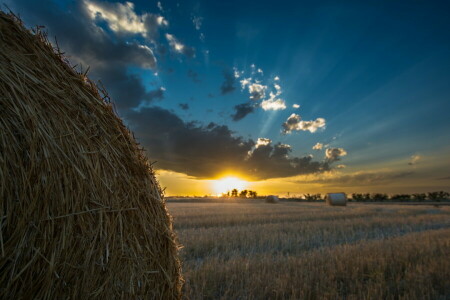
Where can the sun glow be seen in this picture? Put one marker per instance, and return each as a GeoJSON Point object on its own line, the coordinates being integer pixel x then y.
{"type": "Point", "coordinates": [224, 185]}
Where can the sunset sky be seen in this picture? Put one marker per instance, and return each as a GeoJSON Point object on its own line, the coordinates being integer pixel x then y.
{"type": "Point", "coordinates": [288, 96]}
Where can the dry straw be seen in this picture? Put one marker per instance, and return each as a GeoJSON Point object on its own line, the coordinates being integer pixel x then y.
{"type": "Point", "coordinates": [82, 215]}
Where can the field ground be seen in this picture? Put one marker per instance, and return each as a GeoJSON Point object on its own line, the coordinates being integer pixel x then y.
{"type": "Point", "coordinates": [255, 250]}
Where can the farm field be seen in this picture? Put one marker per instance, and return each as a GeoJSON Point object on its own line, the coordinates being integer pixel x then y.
{"type": "Point", "coordinates": [254, 250]}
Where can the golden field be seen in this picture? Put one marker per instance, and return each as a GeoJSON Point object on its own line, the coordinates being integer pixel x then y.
{"type": "Point", "coordinates": [298, 250]}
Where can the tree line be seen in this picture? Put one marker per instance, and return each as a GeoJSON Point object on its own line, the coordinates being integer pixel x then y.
{"type": "Point", "coordinates": [367, 197]}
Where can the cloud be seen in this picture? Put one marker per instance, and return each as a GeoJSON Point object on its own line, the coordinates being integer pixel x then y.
{"type": "Point", "coordinates": [193, 75]}
{"type": "Point", "coordinates": [262, 142]}
{"type": "Point", "coordinates": [184, 106]}
{"type": "Point", "coordinates": [257, 91]}
{"type": "Point", "coordinates": [228, 84]}
{"type": "Point", "coordinates": [414, 159]}
{"type": "Point", "coordinates": [208, 151]}
{"type": "Point", "coordinates": [296, 106]}
{"type": "Point", "coordinates": [122, 19]}
{"type": "Point", "coordinates": [197, 22]}
{"type": "Point", "coordinates": [341, 166]}
{"type": "Point", "coordinates": [294, 123]}
{"type": "Point", "coordinates": [178, 47]}
{"type": "Point", "coordinates": [333, 178]}
{"type": "Point", "coordinates": [242, 110]}
{"type": "Point", "coordinates": [87, 44]}
{"type": "Point", "coordinates": [334, 154]}
{"type": "Point", "coordinates": [318, 146]}
{"type": "Point", "coordinates": [273, 104]}
{"type": "Point", "coordinates": [276, 78]}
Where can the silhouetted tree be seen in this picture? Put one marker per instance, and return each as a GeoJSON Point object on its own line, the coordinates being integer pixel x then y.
{"type": "Point", "coordinates": [419, 197]}
{"type": "Point", "coordinates": [252, 194]}
{"type": "Point", "coordinates": [234, 193]}
{"type": "Point", "coordinates": [358, 197]}
{"type": "Point", "coordinates": [243, 194]}
{"type": "Point", "coordinates": [379, 197]}
{"type": "Point", "coordinates": [438, 196]}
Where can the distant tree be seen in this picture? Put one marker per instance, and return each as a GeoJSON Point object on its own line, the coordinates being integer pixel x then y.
{"type": "Point", "coordinates": [419, 197]}
{"type": "Point", "coordinates": [366, 197]}
{"type": "Point", "coordinates": [312, 197]}
{"type": "Point", "coordinates": [243, 194]}
{"type": "Point", "coordinates": [252, 194]}
{"type": "Point", "coordinates": [379, 197]}
{"type": "Point", "coordinates": [438, 196]}
{"type": "Point", "coordinates": [234, 193]}
{"type": "Point", "coordinates": [401, 197]}
{"type": "Point", "coordinates": [358, 197]}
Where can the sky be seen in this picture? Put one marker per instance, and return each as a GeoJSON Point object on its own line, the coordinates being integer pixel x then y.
{"type": "Point", "coordinates": [291, 97]}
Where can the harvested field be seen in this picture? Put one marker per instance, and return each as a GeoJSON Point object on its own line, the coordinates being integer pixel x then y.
{"type": "Point", "coordinates": [255, 250]}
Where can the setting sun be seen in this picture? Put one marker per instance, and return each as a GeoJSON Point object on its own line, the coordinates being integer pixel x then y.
{"type": "Point", "coordinates": [223, 185]}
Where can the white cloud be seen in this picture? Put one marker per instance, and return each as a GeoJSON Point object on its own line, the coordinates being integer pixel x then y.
{"type": "Point", "coordinates": [262, 142]}
{"type": "Point", "coordinates": [341, 166]}
{"type": "Point", "coordinates": [260, 71]}
{"type": "Point", "coordinates": [275, 104]}
{"type": "Point", "coordinates": [295, 106]}
{"type": "Point", "coordinates": [160, 6]}
{"type": "Point", "coordinates": [318, 146]}
{"type": "Point", "coordinates": [244, 82]}
{"type": "Point", "coordinates": [294, 123]}
{"type": "Point", "coordinates": [312, 126]}
{"type": "Point", "coordinates": [276, 78]}
{"type": "Point", "coordinates": [257, 91]}
{"type": "Point", "coordinates": [178, 47]}
{"type": "Point", "coordinates": [174, 43]}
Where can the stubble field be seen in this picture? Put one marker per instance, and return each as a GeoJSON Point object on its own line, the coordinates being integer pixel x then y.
{"type": "Point", "coordinates": [254, 250]}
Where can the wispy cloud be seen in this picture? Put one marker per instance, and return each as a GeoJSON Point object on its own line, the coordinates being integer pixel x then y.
{"type": "Point", "coordinates": [178, 47]}
{"type": "Point", "coordinates": [414, 159]}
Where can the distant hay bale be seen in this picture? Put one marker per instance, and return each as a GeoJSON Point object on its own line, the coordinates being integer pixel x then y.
{"type": "Point", "coordinates": [82, 215]}
{"type": "Point", "coordinates": [272, 199]}
{"type": "Point", "coordinates": [336, 199]}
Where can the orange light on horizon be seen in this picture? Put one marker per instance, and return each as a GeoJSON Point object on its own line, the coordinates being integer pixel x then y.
{"type": "Point", "coordinates": [226, 184]}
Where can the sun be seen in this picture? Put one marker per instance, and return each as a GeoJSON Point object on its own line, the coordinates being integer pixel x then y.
{"type": "Point", "coordinates": [223, 185]}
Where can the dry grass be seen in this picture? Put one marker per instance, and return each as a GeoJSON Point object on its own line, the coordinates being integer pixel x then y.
{"type": "Point", "coordinates": [81, 213]}
{"type": "Point", "coordinates": [313, 251]}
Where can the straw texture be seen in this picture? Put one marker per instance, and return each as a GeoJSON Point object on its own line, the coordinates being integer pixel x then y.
{"type": "Point", "coordinates": [82, 215]}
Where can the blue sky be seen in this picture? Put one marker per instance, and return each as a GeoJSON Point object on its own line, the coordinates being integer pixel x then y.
{"type": "Point", "coordinates": [208, 85]}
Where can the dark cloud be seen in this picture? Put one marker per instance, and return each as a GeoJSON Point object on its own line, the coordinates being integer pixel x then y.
{"type": "Point", "coordinates": [207, 151]}
{"type": "Point", "coordinates": [242, 110]}
{"type": "Point", "coordinates": [334, 154]}
{"type": "Point", "coordinates": [87, 44]}
{"type": "Point", "coordinates": [193, 75]}
{"type": "Point", "coordinates": [228, 85]}
{"type": "Point", "coordinates": [184, 106]}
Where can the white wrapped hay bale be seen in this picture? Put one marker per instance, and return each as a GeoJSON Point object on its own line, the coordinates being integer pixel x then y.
{"type": "Point", "coordinates": [336, 199]}
{"type": "Point", "coordinates": [272, 199]}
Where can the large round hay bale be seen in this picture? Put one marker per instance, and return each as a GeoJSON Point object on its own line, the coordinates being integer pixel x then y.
{"type": "Point", "coordinates": [272, 199]}
{"type": "Point", "coordinates": [82, 215]}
